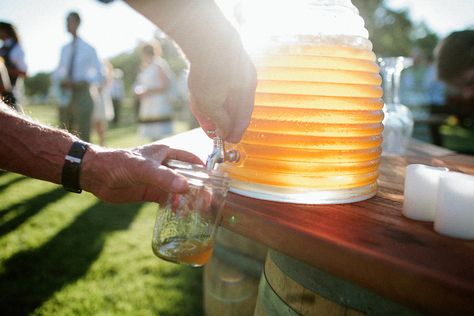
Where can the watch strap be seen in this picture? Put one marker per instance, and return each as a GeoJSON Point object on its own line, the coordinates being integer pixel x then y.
{"type": "Point", "coordinates": [72, 167]}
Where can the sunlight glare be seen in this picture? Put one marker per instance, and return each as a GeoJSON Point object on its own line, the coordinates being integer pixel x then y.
{"type": "Point", "coordinates": [264, 19]}
{"type": "Point", "coordinates": [267, 19]}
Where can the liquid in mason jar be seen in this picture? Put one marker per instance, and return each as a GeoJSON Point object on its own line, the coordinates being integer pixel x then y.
{"type": "Point", "coordinates": [194, 252]}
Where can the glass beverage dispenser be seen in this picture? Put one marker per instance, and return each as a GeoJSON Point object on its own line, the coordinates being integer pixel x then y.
{"type": "Point", "coordinates": [316, 131]}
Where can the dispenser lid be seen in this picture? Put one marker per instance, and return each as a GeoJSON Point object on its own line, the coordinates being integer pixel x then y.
{"type": "Point", "coordinates": [264, 19]}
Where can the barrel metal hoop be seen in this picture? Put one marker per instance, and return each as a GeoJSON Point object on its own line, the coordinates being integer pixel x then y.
{"type": "Point", "coordinates": [336, 289]}
{"type": "Point", "coordinates": [272, 301]}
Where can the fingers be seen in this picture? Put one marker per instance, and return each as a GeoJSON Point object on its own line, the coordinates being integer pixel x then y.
{"type": "Point", "coordinates": [156, 174]}
{"type": "Point", "coordinates": [162, 153]}
{"type": "Point", "coordinates": [218, 122]}
{"type": "Point", "coordinates": [183, 155]}
{"type": "Point", "coordinates": [243, 100]}
{"type": "Point", "coordinates": [240, 108]}
{"type": "Point", "coordinates": [230, 115]}
{"type": "Point", "coordinates": [137, 193]}
{"type": "Point", "coordinates": [120, 176]}
{"type": "Point", "coordinates": [165, 179]}
{"type": "Point", "coordinates": [203, 119]}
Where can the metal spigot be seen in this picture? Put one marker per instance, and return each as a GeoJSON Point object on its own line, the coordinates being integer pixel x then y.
{"type": "Point", "coordinates": [219, 155]}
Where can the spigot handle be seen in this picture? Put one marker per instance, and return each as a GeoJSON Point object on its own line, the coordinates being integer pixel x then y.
{"type": "Point", "coordinates": [232, 155]}
{"type": "Point", "coordinates": [219, 155]}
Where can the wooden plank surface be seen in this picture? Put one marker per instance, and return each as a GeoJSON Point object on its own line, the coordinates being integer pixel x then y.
{"type": "Point", "coordinates": [369, 243]}
{"type": "Point", "coordinates": [419, 148]}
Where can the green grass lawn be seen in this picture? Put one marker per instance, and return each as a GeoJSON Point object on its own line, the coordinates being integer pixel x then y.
{"type": "Point", "coordinates": [71, 254]}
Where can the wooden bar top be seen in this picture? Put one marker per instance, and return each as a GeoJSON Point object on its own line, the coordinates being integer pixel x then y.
{"type": "Point", "coordinates": [368, 243]}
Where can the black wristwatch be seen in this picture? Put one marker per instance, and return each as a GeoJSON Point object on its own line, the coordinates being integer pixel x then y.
{"type": "Point", "coordinates": [72, 167]}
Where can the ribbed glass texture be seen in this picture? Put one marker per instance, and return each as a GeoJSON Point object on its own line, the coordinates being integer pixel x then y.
{"type": "Point", "coordinates": [315, 132]}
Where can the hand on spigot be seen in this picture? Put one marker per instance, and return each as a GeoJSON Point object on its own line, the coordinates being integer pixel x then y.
{"type": "Point", "coordinates": [222, 79]}
{"type": "Point", "coordinates": [219, 154]}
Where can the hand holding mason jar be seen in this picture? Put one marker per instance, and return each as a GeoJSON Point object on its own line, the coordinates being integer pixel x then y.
{"type": "Point", "coordinates": [186, 224]}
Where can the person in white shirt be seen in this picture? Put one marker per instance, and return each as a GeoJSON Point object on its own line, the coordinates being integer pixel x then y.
{"type": "Point", "coordinates": [117, 91]}
{"type": "Point", "coordinates": [79, 68]}
{"type": "Point", "coordinates": [12, 64]}
{"type": "Point", "coordinates": [156, 113]}
{"type": "Point", "coordinates": [103, 108]}
{"type": "Point", "coordinates": [222, 77]}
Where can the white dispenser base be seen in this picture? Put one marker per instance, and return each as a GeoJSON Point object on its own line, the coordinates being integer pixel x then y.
{"type": "Point", "coordinates": [302, 195]}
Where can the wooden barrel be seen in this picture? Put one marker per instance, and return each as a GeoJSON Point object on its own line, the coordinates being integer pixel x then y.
{"type": "Point", "coordinates": [291, 287]}
{"type": "Point", "coordinates": [231, 277]}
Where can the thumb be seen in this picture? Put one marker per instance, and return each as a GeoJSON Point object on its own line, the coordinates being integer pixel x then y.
{"type": "Point", "coordinates": [217, 120]}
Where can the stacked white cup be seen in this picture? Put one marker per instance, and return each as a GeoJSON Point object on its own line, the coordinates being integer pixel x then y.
{"type": "Point", "coordinates": [439, 195]}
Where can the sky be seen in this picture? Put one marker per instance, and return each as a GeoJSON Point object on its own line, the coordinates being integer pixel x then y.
{"type": "Point", "coordinates": [441, 16]}
{"type": "Point", "coordinates": [116, 28]}
{"type": "Point", "coordinates": [111, 28]}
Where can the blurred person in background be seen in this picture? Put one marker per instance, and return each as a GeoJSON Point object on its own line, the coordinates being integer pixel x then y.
{"type": "Point", "coordinates": [78, 69]}
{"type": "Point", "coordinates": [414, 92]}
{"type": "Point", "coordinates": [117, 92]}
{"type": "Point", "coordinates": [455, 61]}
{"type": "Point", "coordinates": [155, 115]}
{"type": "Point", "coordinates": [12, 65]}
{"type": "Point", "coordinates": [222, 78]}
{"type": "Point", "coordinates": [421, 91]}
{"type": "Point", "coordinates": [420, 85]}
{"type": "Point", "coordinates": [455, 65]}
{"type": "Point", "coordinates": [103, 108]}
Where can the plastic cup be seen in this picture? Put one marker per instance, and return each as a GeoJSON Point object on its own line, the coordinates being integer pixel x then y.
{"type": "Point", "coordinates": [455, 206]}
{"type": "Point", "coordinates": [421, 188]}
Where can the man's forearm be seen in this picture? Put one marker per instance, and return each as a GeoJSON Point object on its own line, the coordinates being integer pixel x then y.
{"type": "Point", "coordinates": [193, 24]}
{"type": "Point", "coordinates": [31, 149]}
{"type": "Point", "coordinates": [222, 77]}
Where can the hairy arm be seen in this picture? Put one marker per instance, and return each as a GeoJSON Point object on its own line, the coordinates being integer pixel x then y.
{"type": "Point", "coordinates": [31, 149]}
{"type": "Point", "coordinates": [113, 175]}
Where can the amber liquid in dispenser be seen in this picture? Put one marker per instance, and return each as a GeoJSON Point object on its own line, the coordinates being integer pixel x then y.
{"type": "Point", "coordinates": [316, 125]}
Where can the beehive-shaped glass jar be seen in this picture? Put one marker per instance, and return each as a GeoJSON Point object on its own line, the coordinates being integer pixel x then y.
{"type": "Point", "coordinates": [315, 133]}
